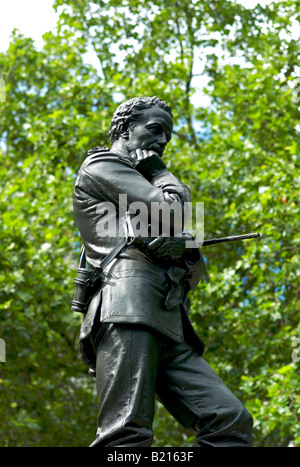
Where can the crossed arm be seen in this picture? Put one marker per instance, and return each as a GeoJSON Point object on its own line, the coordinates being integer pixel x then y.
{"type": "Point", "coordinates": [143, 179]}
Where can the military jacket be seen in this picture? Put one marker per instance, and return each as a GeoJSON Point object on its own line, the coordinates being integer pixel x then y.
{"type": "Point", "coordinates": [134, 287]}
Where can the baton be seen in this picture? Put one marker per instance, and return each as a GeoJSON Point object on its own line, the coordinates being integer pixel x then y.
{"type": "Point", "coordinates": [234, 238]}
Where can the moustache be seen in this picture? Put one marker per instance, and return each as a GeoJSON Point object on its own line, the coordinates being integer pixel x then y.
{"type": "Point", "coordinates": [157, 148]}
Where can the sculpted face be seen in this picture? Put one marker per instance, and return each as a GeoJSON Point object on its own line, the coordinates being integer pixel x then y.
{"type": "Point", "coordinates": [152, 132]}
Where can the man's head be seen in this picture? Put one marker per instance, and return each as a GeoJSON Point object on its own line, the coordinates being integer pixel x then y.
{"type": "Point", "coordinates": [144, 122]}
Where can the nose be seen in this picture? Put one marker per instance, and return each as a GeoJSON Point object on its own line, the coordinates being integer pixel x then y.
{"type": "Point", "coordinates": [162, 140]}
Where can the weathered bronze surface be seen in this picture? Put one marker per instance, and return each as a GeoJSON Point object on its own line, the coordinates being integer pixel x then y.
{"type": "Point", "coordinates": [136, 335]}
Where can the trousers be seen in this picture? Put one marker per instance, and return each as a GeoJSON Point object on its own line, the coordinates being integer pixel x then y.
{"type": "Point", "coordinates": [135, 365]}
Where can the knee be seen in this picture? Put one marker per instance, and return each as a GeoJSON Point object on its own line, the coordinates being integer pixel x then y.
{"type": "Point", "coordinates": [247, 417]}
{"type": "Point", "coordinates": [246, 421]}
{"type": "Point", "coordinates": [230, 425]}
{"type": "Point", "coordinates": [240, 424]}
{"type": "Point", "coordinates": [243, 416]}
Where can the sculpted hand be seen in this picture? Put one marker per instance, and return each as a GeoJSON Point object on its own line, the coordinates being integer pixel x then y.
{"type": "Point", "coordinates": [176, 251]}
{"type": "Point", "coordinates": [141, 154]}
{"type": "Point", "coordinates": [168, 248]}
{"type": "Point", "coordinates": [148, 163]}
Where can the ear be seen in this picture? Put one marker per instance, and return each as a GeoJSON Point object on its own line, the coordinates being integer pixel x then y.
{"type": "Point", "coordinates": [124, 131]}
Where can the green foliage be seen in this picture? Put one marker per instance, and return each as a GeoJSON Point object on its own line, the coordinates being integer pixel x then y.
{"type": "Point", "coordinates": [240, 157]}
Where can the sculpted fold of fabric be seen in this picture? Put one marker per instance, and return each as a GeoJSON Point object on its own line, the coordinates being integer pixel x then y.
{"type": "Point", "coordinates": [135, 289]}
{"type": "Point", "coordinates": [136, 335]}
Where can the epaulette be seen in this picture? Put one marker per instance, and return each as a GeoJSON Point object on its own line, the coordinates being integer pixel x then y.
{"type": "Point", "coordinates": [97, 149]}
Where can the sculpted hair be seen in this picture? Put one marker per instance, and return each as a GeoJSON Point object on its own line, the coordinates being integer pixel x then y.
{"type": "Point", "coordinates": [129, 112]}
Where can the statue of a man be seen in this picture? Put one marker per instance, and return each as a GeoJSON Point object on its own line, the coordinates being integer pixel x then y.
{"type": "Point", "coordinates": [136, 334]}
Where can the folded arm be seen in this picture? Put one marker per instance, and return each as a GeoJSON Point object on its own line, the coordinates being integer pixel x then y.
{"type": "Point", "coordinates": [116, 179]}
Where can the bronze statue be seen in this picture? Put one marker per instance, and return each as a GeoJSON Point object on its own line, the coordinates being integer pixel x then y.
{"type": "Point", "coordinates": [136, 335]}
